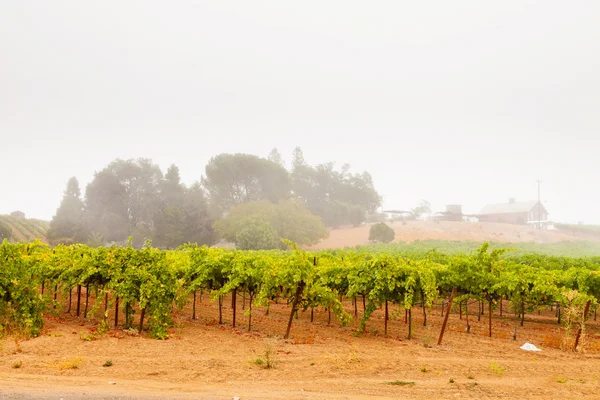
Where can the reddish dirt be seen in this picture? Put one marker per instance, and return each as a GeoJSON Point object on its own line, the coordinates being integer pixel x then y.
{"type": "Point", "coordinates": [448, 230]}
{"type": "Point", "coordinates": [205, 360]}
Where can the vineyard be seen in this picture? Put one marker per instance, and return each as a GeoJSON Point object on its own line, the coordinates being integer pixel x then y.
{"type": "Point", "coordinates": [25, 229]}
{"type": "Point", "coordinates": [143, 288]}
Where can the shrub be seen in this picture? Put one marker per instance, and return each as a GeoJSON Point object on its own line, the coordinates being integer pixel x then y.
{"type": "Point", "coordinates": [256, 234]}
{"type": "Point", "coordinates": [381, 232]}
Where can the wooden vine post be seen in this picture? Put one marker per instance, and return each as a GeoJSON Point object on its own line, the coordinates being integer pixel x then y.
{"type": "Point", "coordinates": [78, 299]}
{"type": "Point", "coordinates": [297, 298]}
{"type": "Point", "coordinates": [386, 318]}
{"type": "Point", "coordinates": [490, 312]}
{"type": "Point", "coordinates": [446, 316]}
{"type": "Point", "coordinates": [194, 306]}
{"type": "Point", "coordinates": [234, 304]}
{"type": "Point", "coordinates": [585, 315]}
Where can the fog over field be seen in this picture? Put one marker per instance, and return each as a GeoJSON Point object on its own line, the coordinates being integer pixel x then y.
{"type": "Point", "coordinates": [455, 102]}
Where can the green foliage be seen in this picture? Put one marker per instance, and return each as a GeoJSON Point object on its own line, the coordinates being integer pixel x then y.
{"type": "Point", "coordinates": [289, 219]}
{"type": "Point", "coordinates": [381, 232]}
{"type": "Point", "coordinates": [153, 280]}
{"type": "Point", "coordinates": [256, 233]}
{"type": "Point", "coordinates": [5, 231]}
{"type": "Point", "coordinates": [21, 306]}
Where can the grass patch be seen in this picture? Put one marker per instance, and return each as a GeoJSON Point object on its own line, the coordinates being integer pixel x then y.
{"type": "Point", "coordinates": [424, 369]}
{"type": "Point", "coordinates": [561, 379]}
{"type": "Point", "coordinates": [17, 364]}
{"type": "Point", "coordinates": [72, 363]}
{"type": "Point", "coordinates": [451, 380]}
{"type": "Point", "coordinates": [107, 364]}
{"type": "Point", "coordinates": [401, 383]}
{"type": "Point", "coordinates": [496, 368]}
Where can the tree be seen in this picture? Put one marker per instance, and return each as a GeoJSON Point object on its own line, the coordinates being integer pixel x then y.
{"type": "Point", "coordinates": [5, 232]}
{"type": "Point", "coordinates": [356, 215]}
{"type": "Point", "coordinates": [275, 156]}
{"type": "Point", "coordinates": [68, 225]}
{"type": "Point", "coordinates": [197, 227]}
{"type": "Point", "coordinates": [256, 233]}
{"type": "Point", "coordinates": [381, 232]}
{"type": "Point", "coordinates": [338, 197]}
{"type": "Point", "coordinates": [106, 206]}
{"type": "Point", "coordinates": [240, 178]}
{"type": "Point", "coordinates": [423, 208]}
{"type": "Point", "coordinates": [169, 221]}
{"type": "Point", "coordinates": [290, 220]}
{"type": "Point", "coordinates": [123, 199]}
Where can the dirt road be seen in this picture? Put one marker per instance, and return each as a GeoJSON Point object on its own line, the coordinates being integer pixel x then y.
{"type": "Point", "coordinates": [203, 360]}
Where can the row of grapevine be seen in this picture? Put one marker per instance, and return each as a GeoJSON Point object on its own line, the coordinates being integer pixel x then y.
{"type": "Point", "coordinates": [154, 282]}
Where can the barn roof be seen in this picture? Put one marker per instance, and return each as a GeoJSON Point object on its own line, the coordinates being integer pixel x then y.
{"type": "Point", "coordinates": [509, 208]}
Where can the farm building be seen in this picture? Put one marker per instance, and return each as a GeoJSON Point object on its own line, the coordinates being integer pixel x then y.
{"type": "Point", "coordinates": [18, 214]}
{"type": "Point", "coordinates": [453, 213]}
{"type": "Point", "coordinates": [514, 212]}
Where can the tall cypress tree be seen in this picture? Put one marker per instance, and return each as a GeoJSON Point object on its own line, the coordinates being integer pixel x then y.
{"type": "Point", "coordinates": [68, 223]}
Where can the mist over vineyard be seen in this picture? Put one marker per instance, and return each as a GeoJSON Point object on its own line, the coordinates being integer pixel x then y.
{"type": "Point", "coordinates": [311, 200]}
{"type": "Point", "coordinates": [239, 194]}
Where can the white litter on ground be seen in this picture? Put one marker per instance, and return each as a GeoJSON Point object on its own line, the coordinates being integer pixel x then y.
{"type": "Point", "coordinates": [529, 347]}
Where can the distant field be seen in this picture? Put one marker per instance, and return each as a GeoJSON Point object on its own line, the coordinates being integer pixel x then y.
{"type": "Point", "coordinates": [452, 237]}
{"type": "Point", "coordinates": [24, 229]}
{"type": "Point", "coordinates": [586, 229]}
{"type": "Point", "coordinates": [565, 249]}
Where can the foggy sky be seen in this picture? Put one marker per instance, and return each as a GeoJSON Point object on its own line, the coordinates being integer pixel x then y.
{"type": "Point", "coordinates": [464, 102]}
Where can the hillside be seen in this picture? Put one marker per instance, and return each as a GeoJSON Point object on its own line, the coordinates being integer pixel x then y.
{"type": "Point", "coordinates": [26, 229]}
{"type": "Point", "coordinates": [456, 231]}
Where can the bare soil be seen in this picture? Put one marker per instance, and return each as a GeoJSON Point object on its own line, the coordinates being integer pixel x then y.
{"type": "Point", "coordinates": [411, 231]}
{"type": "Point", "coordinates": [205, 360]}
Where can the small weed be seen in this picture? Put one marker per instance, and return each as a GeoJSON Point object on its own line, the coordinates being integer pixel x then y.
{"type": "Point", "coordinates": [471, 385]}
{"type": "Point", "coordinates": [497, 368]}
{"type": "Point", "coordinates": [18, 346]}
{"type": "Point", "coordinates": [87, 338]}
{"type": "Point", "coordinates": [561, 379]}
{"type": "Point", "coordinates": [312, 363]}
{"type": "Point", "coordinates": [107, 364]}
{"type": "Point", "coordinates": [72, 363]}
{"type": "Point", "coordinates": [424, 369]}
{"type": "Point", "coordinates": [581, 380]}
{"type": "Point", "coordinates": [353, 357]}
{"type": "Point", "coordinates": [451, 380]}
{"type": "Point", "coordinates": [267, 360]}
{"type": "Point", "coordinates": [17, 364]}
{"type": "Point", "coordinates": [427, 341]}
{"type": "Point", "coordinates": [132, 332]}
{"type": "Point", "coordinates": [401, 383]}
{"type": "Point", "coordinates": [470, 376]}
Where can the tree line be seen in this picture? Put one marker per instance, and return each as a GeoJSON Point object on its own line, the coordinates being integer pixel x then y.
{"type": "Point", "coordinates": [242, 198]}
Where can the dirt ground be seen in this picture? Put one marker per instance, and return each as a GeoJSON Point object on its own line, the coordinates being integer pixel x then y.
{"type": "Point", "coordinates": [450, 230]}
{"type": "Point", "coordinates": [203, 360]}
